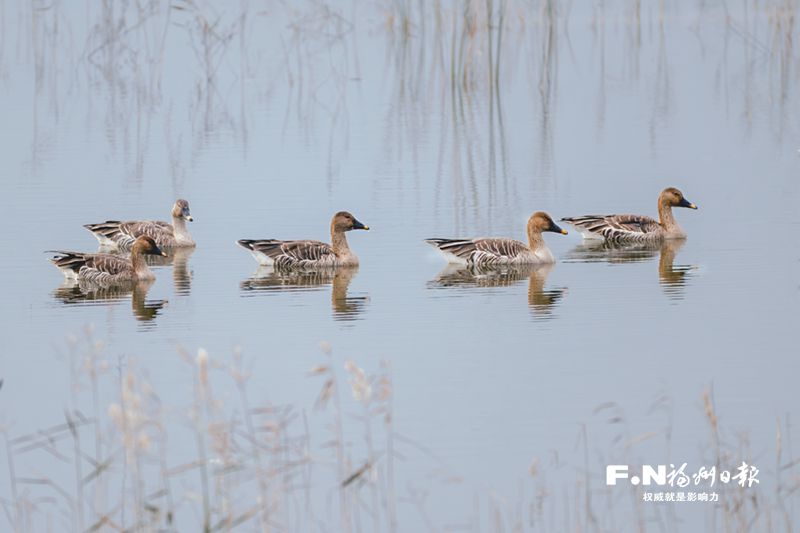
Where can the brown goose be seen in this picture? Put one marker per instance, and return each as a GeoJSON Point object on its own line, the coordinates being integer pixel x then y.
{"type": "Point", "coordinates": [122, 235]}
{"type": "Point", "coordinates": [308, 254]}
{"type": "Point", "coordinates": [636, 228]}
{"type": "Point", "coordinates": [487, 252]}
{"type": "Point", "coordinates": [107, 269]}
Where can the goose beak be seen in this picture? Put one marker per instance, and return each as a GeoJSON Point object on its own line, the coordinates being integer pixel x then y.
{"type": "Point", "coordinates": [687, 203]}
{"type": "Point", "coordinates": [359, 225]}
{"type": "Point", "coordinates": [557, 229]}
{"type": "Point", "coordinates": [189, 218]}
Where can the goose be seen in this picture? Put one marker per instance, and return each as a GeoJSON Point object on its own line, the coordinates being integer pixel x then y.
{"type": "Point", "coordinates": [636, 228]}
{"type": "Point", "coordinates": [305, 254]}
{"type": "Point", "coordinates": [490, 251]}
{"type": "Point", "coordinates": [122, 235]}
{"type": "Point", "coordinates": [108, 269]}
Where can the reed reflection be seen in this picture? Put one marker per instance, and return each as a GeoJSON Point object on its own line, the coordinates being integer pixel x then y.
{"type": "Point", "coordinates": [449, 78]}
{"type": "Point", "coordinates": [343, 305]}
{"type": "Point", "coordinates": [444, 58]}
{"type": "Point", "coordinates": [673, 278]}
{"type": "Point", "coordinates": [85, 293]}
{"type": "Point", "coordinates": [541, 301]}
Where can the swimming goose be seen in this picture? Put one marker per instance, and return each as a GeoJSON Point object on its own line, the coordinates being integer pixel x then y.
{"type": "Point", "coordinates": [116, 234]}
{"type": "Point", "coordinates": [635, 228]}
{"type": "Point", "coordinates": [293, 254]}
{"type": "Point", "coordinates": [108, 269]}
{"type": "Point", "coordinates": [487, 252]}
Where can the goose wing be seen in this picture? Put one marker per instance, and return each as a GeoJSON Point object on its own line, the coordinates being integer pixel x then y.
{"type": "Point", "coordinates": [479, 251]}
{"type": "Point", "coordinates": [124, 234]}
{"type": "Point", "coordinates": [615, 227]}
{"type": "Point", "coordinates": [292, 253]}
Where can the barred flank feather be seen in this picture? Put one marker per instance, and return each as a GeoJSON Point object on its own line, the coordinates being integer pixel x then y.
{"type": "Point", "coordinates": [618, 228]}
{"type": "Point", "coordinates": [289, 254]}
{"type": "Point", "coordinates": [484, 252]}
{"type": "Point", "coordinates": [94, 268]}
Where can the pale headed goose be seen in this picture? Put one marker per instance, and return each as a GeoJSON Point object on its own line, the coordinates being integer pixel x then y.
{"type": "Point", "coordinates": [293, 254]}
{"type": "Point", "coordinates": [636, 228]}
{"type": "Point", "coordinates": [487, 252]}
{"type": "Point", "coordinates": [108, 269]}
{"type": "Point", "coordinates": [117, 234]}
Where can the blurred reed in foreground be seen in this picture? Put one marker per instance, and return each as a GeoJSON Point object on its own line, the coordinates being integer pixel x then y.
{"type": "Point", "coordinates": [223, 462]}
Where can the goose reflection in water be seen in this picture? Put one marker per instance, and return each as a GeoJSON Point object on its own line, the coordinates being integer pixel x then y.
{"type": "Point", "coordinates": [343, 306]}
{"type": "Point", "coordinates": [540, 300]}
{"type": "Point", "coordinates": [673, 278]}
{"type": "Point", "coordinates": [179, 259]}
{"type": "Point", "coordinates": [85, 293]}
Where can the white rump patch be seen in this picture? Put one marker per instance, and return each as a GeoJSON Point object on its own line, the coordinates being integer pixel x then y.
{"type": "Point", "coordinates": [69, 274]}
{"type": "Point", "coordinates": [587, 235]}
{"type": "Point", "coordinates": [453, 259]}
{"type": "Point", "coordinates": [262, 258]}
{"type": "Point", "coordinates": [105, 241]}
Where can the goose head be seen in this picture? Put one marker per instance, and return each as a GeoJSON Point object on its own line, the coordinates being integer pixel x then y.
{"type": "Point", "coordinates": [541, 221]}
{"type": "Point", "coordinates": [147, 246]}
{"type": "Point", "coordinates": [181, 210]}
{"type": "Point", "coordinates": [674, 198]}
{"type": "Point", "coordinates": [344, 221]}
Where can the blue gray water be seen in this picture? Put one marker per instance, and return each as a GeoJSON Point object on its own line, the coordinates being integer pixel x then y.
{"type": "Point", "coordinates": [282, 116]}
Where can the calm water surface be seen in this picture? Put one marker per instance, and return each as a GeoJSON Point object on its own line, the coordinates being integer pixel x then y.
{"type": "Point", "coordinates": [286, 115]}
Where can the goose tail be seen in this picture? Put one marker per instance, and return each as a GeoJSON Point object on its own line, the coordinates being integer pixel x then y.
{"type": "Point", "coordinates": [69, 263]}
{"type": "Point", "coordinates": [449, 247]}
{"type": "Point", "coordinates": [259, 248]}
{"type": "Point", "coordinates": [106, 232]}
{"type": "Point", "coordinates": [587, 225]}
